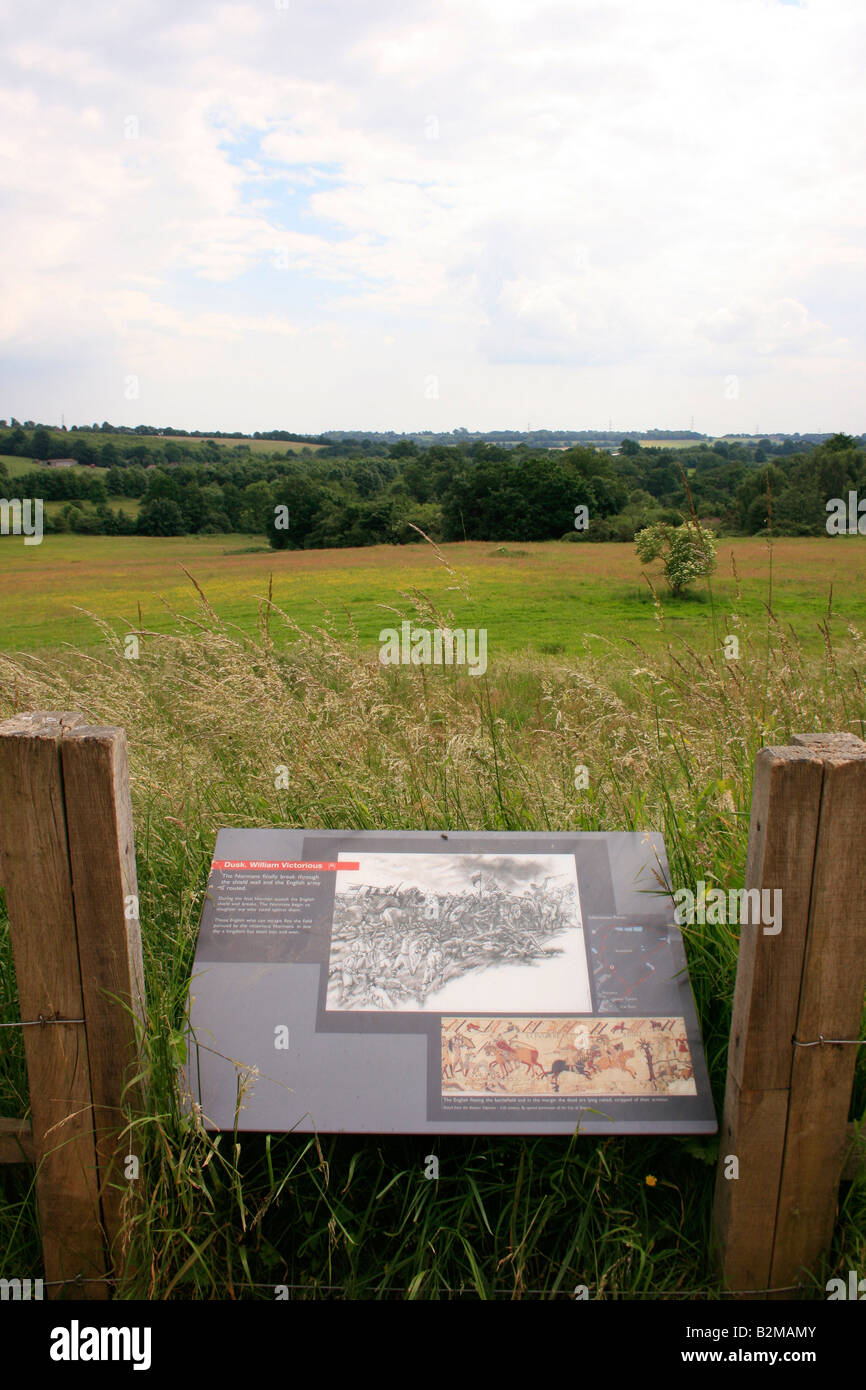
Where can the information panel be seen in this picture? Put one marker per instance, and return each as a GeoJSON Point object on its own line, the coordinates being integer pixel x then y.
{"type": "Point", "coordinates": [431, 982]}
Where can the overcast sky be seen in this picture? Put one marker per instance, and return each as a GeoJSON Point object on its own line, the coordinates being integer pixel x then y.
{"type": "Point", "coordinates": [387, 214]}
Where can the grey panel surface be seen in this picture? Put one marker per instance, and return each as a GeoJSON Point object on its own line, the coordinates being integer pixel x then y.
{"type": "Point", "coordinates": [262, 979]}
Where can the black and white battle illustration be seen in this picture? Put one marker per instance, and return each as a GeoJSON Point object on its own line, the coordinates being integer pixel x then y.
{"type": "Point", "coordinates": [434, 932]}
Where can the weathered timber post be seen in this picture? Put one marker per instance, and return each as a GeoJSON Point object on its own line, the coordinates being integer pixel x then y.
{"type": "Point", "coordinates": [788, 1093]}
{"type": "Point", "coordinates": [67, 863]}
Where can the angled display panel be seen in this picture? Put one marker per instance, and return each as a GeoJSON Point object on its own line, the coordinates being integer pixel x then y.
{"type": "Point", "coordinates": [432, 982]}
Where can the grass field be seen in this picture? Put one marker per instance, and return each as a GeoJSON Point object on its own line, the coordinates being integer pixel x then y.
{"type": "Point", "coordinates": [17, 467]}
{"type": "Point", "coordinates": [672, 443]}
{"type": "Point", "coordinates": [64, 442]}
{"type": "Point", "coordinates": [256, 446]}
{"type": "Point", "coordinates": [212, 709]}
{"type": "Point", "coordinates": [551, 597]}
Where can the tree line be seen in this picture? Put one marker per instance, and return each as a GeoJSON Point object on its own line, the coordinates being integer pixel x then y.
{"type": "Point", "coordinates": [345, 496]}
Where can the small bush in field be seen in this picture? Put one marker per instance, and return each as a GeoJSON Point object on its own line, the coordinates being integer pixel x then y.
{"type": "Point", "coordinates": [687, 552]}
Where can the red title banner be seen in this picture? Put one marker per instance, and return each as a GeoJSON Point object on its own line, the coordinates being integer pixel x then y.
{"type": "Point", "coordinates": [304, 865]}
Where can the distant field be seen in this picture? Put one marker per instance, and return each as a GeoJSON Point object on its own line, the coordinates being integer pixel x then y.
{"type": "Point", "coordinates": [130, 506]}
{"type": "Point", "coordinates": [256, 446]}
{"type": "Point", "coordinates": [551, 597]}
{"type": "Point", "coordinates": [17, 467]}
{"type": "Point", "coordinates": [748, 439]}
{"type": "Point", "coordinates": [672, 443]}
{"type": "Point", "coordinates": [751, 438]}
{"type": "Point", "coordinates": [126, 441]}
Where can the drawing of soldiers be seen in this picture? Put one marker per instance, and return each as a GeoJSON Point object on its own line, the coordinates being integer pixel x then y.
{"type": "Point", "coordinates": [432, 967]}
{"type": "Point", "coordinates": [404, 957]}
{"type": "Point", "coordinates": [348, 972]}
{"type": "Point", "coordinates": [377, 962]}
{"type": "Point", "coordinates": [417, 948]}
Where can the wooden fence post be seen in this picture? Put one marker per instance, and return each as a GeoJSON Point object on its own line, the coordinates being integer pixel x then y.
{"type": "Point", "coordinates": [786, 1105]}
{"type": "Point", "coordinates": [68, 867]}
{"type": "Point", "coordinates": [105, 890]}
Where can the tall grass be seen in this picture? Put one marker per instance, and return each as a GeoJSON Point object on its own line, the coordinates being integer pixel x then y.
{"type": "Point", "coordinates": [212, 714]}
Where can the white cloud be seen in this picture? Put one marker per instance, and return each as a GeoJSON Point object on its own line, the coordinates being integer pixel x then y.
{"type": "Point", "coordinates": [551, 207]}
{"type": "Point", "coordinates": [783, 326]}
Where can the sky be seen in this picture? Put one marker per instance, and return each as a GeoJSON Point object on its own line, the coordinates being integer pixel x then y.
{"type": "Point", "coordinates": [388, 214]}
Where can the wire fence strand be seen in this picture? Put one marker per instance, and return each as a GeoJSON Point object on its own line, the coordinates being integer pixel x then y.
{"type": "Point", "coordinates": [40, 1022]}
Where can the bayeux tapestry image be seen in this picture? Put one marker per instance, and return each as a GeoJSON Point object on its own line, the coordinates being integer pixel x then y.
{"type": "Point", "coordinates": [566, 1056]}
{"type": "Point", "coordinates": [441, 933]}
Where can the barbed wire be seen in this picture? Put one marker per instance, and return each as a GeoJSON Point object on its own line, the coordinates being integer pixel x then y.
{"type": "Point", "coordinates": [343, 1288]}
{"type": "Point", "coordinates": [820, 1041]}
{"type": "Point", "coordinates": [40, 1022]}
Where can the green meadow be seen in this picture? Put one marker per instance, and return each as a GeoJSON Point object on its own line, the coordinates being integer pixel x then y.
{"type": "Point", "coordinates": [16, 467]}
{"type": "Point", "coordinates": [585, 668]}
{"type": "Point", "coordinates": [554, 597]}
